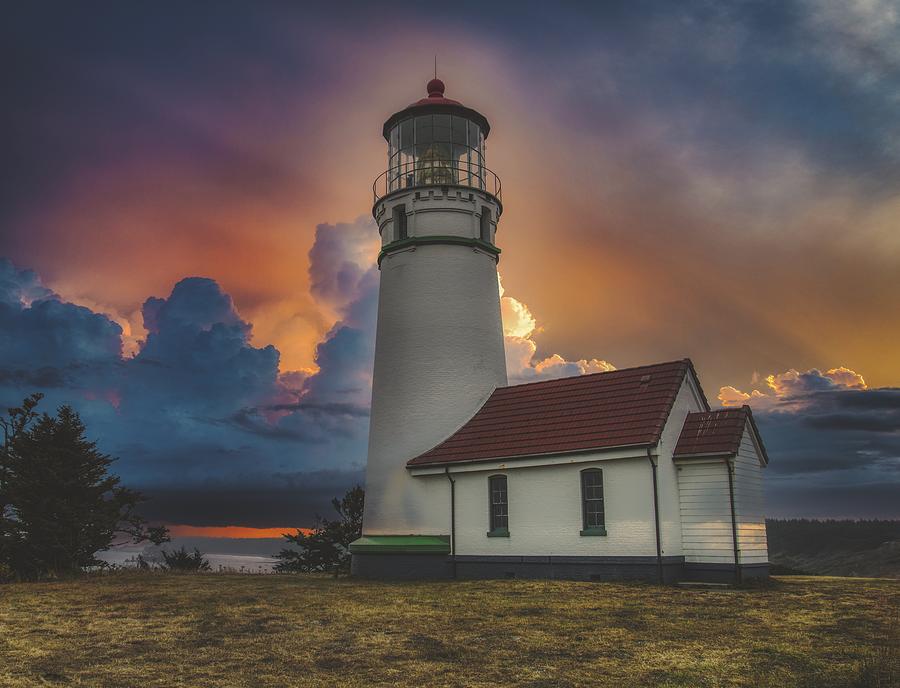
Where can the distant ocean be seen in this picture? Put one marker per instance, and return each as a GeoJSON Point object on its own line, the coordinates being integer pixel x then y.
{"type": "Point", "coordinates": [238, 554]}
{"type": "Point", "coordinates": [239, 563]}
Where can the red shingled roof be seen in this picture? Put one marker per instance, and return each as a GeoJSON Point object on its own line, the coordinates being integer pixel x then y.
{"type": "Point", "coordinates": [716, 433]}
{"type": "Point", "coordinates": [619, 408]}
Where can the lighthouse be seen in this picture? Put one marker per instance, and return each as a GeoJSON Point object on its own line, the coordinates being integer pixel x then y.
{"type": "Point", "coordinates": [439, 344]}
{"type": "Point", "coordinates": [627, 473]}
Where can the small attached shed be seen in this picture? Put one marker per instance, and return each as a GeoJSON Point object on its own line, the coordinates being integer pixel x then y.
{"type": "Point", "coordinates": [719, 457]}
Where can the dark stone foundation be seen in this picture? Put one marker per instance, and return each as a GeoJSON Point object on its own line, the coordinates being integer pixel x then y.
{"type": "Point", "coordinates": [723, 573]}
{"type": "Point", "coordinates": [390, 566]}
{"type": "Point", "coordinates": [570, 568]}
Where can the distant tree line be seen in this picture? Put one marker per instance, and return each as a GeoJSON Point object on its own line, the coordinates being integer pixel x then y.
{"type": "Point", "coordinates": [59, 504]}
{"type": "Point", "coordinates": [801, 536]}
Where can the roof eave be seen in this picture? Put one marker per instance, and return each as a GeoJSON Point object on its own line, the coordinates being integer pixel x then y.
{"type": "Point", "coordinates": [705, 455]}
{"type": "Point", "coordinates": [519, 457]}
{"type": "Point", "coordinates": [437, 109]}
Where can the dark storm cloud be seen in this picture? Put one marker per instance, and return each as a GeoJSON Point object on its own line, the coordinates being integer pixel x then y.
{"type": "Point", "coordinates": [198, 336]}
{"type": "Point", "coordinates": [250, 420]}
{"type": "Point", "coordinates": [833, 453]}
{"type": "Point", "coordinates": [40, 377]}
{"type": "Point", "coordinates": [887, 422]}
{"type": "Point", "coordinates": [323, 408]}
{"type": "Point", "coordinates": [886, 398]}
{"type": "Point", "coordinates": [20, 287]}
{"type": "Point", "coordinates": [809, 436]}
{"type": "Point", "coordinates": [200, 418]}
{"type": "Point", "coordinates": [840, 498]}
{"type": "Point", "coordinates": [288, 500]}
{"type": "Point", "coordinates": [47, 342]}
{"type": "Point", "coordinates": [817, 74]}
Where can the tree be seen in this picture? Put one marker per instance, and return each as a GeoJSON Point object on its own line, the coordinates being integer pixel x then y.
{"type": "Point", "coordinates": [182, 560]}
{"type": "Point", "coordinates": [328, 545]}
{"type": "Point", "coordinates": [59, 504]}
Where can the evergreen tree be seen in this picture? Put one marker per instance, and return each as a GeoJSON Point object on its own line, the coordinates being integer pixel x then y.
{"type": "Point", "coordinates": [328, 545]}
{"type": "Point", "coordinates": [182, 560]}
{"type": "Point", "coordinates": [59, 504]}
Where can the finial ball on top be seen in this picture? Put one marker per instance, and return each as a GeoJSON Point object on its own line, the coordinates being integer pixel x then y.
{"type": "Point", "coordinates": [435, 88]}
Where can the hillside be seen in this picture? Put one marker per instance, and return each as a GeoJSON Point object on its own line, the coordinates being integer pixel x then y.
{"type": "Point", "coordinates": [835, 548]}
{"type": "Point", "coordinates": [165, 630]}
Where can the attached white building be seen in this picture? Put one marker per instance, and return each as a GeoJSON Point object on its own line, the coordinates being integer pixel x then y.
{"type": "Point", "coordinates": [624, 474]}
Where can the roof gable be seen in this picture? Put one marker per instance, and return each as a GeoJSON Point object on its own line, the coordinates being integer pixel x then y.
{"type": "Point", "coordinates": [717, 433]}
{"type": "Point", "coordinates": [614, 409]}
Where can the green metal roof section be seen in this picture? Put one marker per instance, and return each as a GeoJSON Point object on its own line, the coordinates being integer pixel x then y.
{"type": "Point", "coordinates": [401, 544]}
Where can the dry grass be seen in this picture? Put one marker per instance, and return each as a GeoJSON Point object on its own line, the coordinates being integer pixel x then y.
{"type": "Point", "coordinates": [229, 630]}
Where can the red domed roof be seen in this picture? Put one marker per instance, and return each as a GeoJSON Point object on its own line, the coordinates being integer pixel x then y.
{"type": "Point", "coordinates": [437, 103]}
{"type": "Point", "coordinates": [435, 89]}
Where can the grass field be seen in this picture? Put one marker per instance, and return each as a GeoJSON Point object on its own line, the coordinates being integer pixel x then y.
{"type": "Point", "coordinates": [146, 630]}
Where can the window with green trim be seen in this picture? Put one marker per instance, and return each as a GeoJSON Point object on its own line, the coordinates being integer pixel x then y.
{"type": "Point", "coordinates": [499, 504]}
{"type": "Point", "coordinates": [593, 517]}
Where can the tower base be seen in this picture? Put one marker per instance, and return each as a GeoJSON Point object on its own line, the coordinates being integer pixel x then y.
{"type": "Point", "coordinates": [401, 557]}
{"type": "Point", "coordinates": [402, 566]}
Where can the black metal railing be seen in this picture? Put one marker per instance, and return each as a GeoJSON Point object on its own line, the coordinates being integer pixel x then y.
{"type": "Point", "coordinates": [436, 173]}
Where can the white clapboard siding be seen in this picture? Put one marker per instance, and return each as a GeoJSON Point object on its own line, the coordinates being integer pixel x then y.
{"type": "Point", "coordinates": [749, 502]}
{"type": "Point", "coordinates": [706, 534]}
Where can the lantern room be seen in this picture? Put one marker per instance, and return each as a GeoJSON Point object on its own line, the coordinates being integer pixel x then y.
{"type": "Point", "coordinates": [436, 141]}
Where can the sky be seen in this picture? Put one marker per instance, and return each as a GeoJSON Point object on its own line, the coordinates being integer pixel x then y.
{"type": "Point", "coordinates": [188, 250]}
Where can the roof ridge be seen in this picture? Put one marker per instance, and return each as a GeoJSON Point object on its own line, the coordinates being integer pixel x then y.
{"type": "Point", "coordinates": [683, 361]}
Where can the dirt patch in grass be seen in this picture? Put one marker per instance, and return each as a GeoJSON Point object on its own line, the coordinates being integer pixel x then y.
{"type": "Point", "coordinates": [149, 630]}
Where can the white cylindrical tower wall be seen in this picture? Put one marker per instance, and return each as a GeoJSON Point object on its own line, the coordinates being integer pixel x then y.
{"type": "Point", "coordinates": [439, 348]}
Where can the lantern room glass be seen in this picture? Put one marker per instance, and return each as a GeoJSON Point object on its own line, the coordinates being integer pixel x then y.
{"type": "Point", "coordinates": [430, 150]}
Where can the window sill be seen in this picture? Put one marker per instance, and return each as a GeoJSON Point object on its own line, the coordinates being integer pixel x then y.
{"type": "Point", "coordinates": [498, 532]}
{"type": "Point", "coordinates": [592, 531]}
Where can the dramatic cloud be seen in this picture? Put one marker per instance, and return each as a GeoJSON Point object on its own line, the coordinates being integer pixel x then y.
{"type": "Point", "coordinates": [519, 327]}
{"type": "Point", "coordinates": [44, 340]}
{"type": "Point", "coordinates": [793, 389]}
{"type": "Point", "coordinates": [20, 287]}
{"type": "Point", "coordinates": [344, 277]}
{"type": "Point", "coordinates": [197, 352]}
{"type": "Point", "coordinates": [199, 415]}
{"type": "Point", "coordinates": [716, 181]}
{"type": "Point", "coordinates": [834, 443]}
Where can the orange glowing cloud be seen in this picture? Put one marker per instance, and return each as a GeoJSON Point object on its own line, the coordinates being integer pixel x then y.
{"type": "Point", "coordinates": [519, 326]}
{"type": "Point", "coordinates": [790, 390]}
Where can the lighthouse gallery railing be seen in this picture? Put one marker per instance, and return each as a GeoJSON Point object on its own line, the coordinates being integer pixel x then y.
{"type": "Point", "coordinates": [438, 173]}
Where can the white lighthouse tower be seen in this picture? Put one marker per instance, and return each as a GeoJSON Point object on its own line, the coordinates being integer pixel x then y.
{"type": "Point", "coordinates": [439, 345]}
